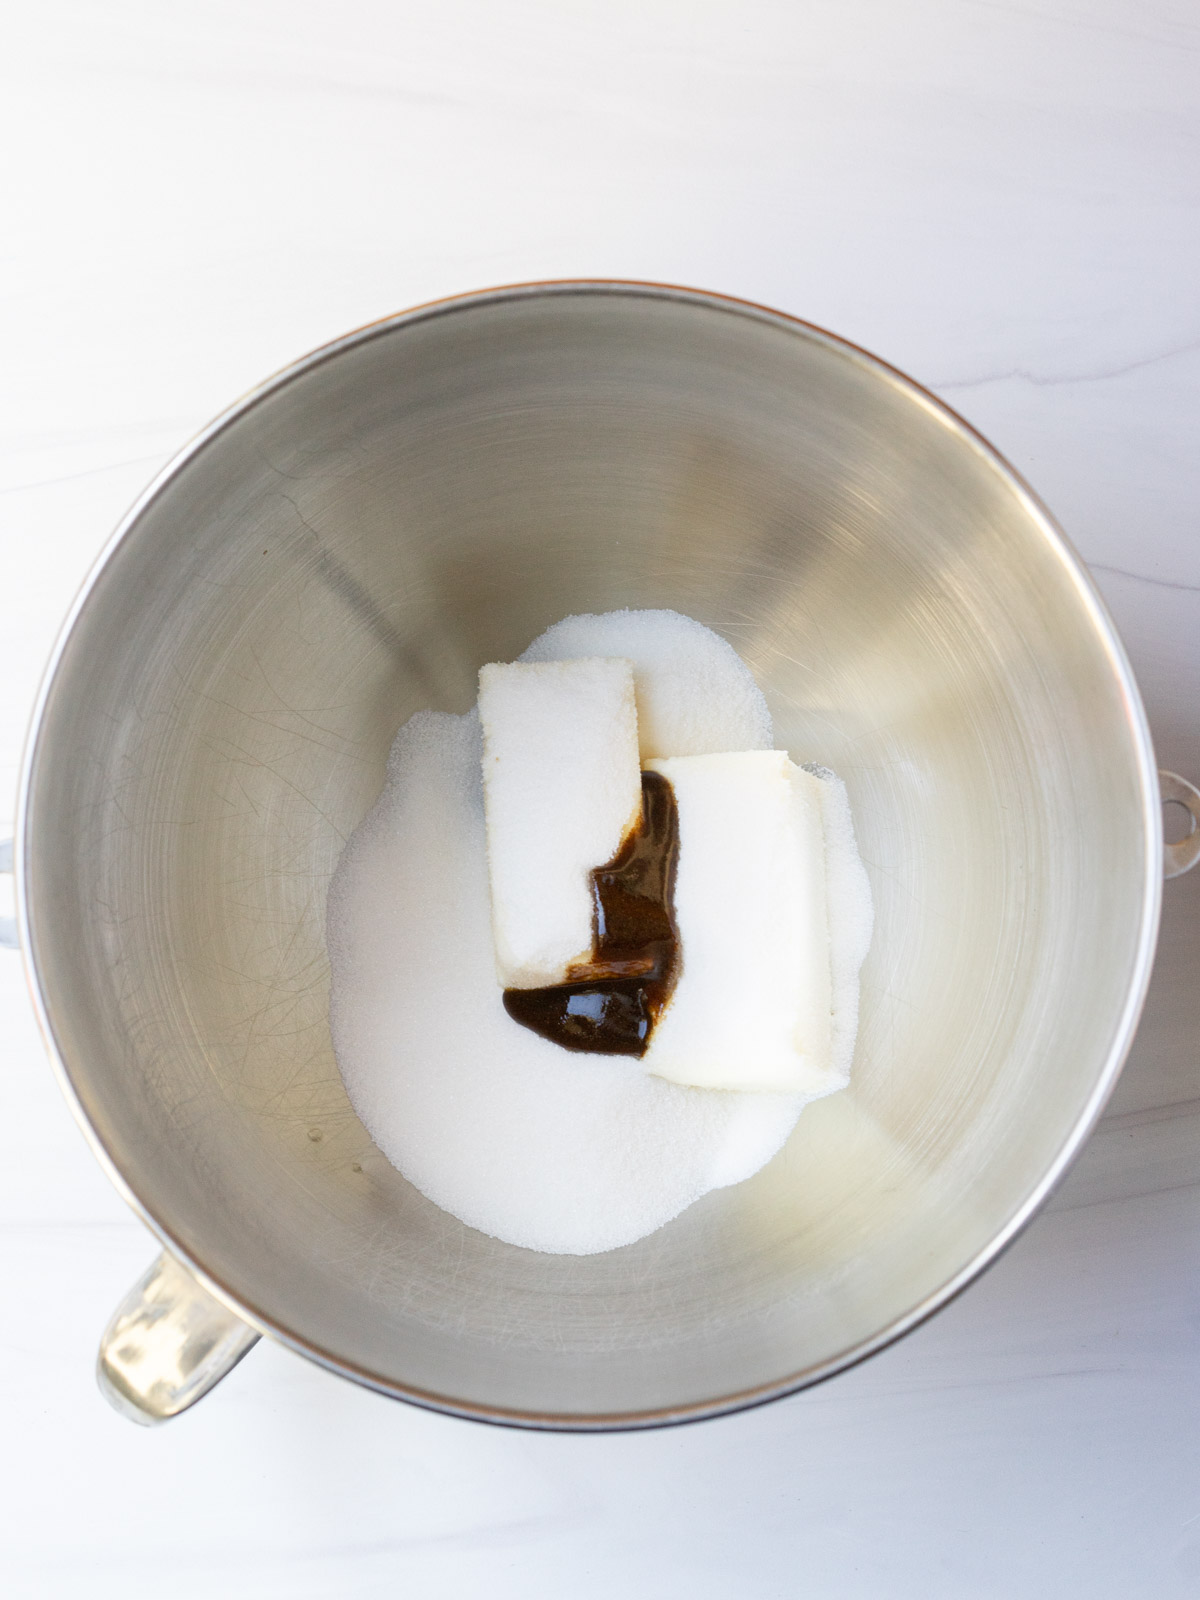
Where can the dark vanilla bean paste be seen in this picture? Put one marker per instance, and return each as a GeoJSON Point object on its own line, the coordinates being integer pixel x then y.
{"type": "Point", "coordinates": [610, 1003]}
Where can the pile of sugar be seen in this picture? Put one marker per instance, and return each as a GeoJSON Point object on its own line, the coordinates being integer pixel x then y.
{"type": "Point", "coordinates": [570, 1154]}
{"type": "Point", "coordinates": [695, 694]}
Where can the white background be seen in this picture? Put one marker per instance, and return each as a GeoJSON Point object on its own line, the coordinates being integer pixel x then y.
{"type": "Point", "coordinates": [1001, 198]}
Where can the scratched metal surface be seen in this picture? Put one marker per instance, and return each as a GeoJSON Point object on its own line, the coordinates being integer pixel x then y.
{"type": "Point", "coordinates": [348, 548]}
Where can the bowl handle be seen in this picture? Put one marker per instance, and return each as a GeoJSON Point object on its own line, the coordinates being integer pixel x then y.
{"type": "Point", "coordinates": [168, 1344]}
{"type": "Point", "coordinates": [1181, 857]}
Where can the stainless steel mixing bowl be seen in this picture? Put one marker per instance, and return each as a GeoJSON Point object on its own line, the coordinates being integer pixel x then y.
{"type": "Point", "coordinates": [346, 546]}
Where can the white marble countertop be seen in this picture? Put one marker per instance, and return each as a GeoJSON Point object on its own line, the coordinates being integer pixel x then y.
{"type": "Point", "coordinates": [1001, 198]}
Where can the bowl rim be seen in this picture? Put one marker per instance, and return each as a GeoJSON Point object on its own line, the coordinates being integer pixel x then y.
{"type": "Point", "coordinates": [1136, 724]}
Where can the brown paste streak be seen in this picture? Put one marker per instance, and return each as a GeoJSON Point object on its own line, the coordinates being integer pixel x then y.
{"type": "Point", "coordinates": [610, 1003]}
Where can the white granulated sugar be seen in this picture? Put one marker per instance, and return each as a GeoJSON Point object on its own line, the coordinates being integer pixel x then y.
{"type": "Point", "coordinates": [552, 1150]}
{"type": "Point", "coordinates": [751, 1008]}
{"type": "Point", "coordinates": [515, 1136]}
{"type": "Point", "coordinates": [562, 786]}
{"type": "Point", "coordinates": [695, 694]}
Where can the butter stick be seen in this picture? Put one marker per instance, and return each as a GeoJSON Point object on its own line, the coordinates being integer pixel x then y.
{"type": "Point", "coordinates": [561, 787]}
{"type": "Point", "coordinates": [751, 1009]}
